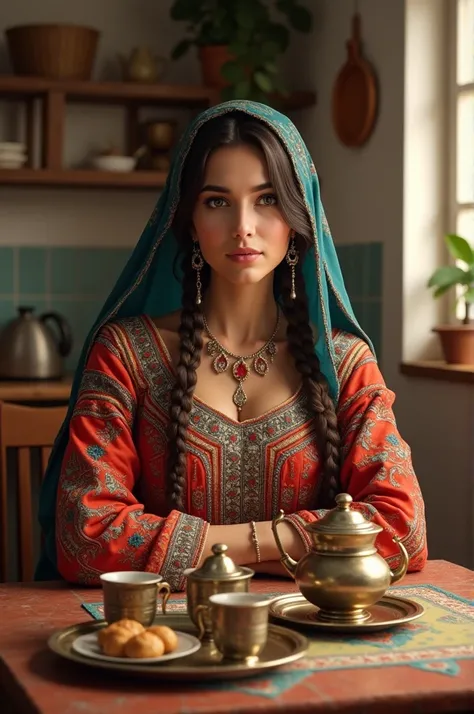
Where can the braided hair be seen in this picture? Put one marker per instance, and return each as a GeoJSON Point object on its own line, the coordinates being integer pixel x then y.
{"type": "Point", "coordinates": [302, 348]}
{"type": "Point", "coordinates": [233, 129]}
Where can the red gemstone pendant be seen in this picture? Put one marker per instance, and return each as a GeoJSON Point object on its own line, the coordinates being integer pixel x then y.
{"type": "Point", "coordinates": [260, 365]}
{"type": "Point", "coordinates": [221, 363]}
{"type": "Point", "coordinates": [240, 370]}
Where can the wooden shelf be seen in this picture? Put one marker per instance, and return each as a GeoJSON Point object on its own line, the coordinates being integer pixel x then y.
{"type": "Point", "coordinates": [190, 95]}
{"type": "Point", "coordinates": [14, 87]}
{"type": "Point", "coordinates": [53, 96]}
{"type": "Point", "coordinates": [439, 370]}
{"type": "Point", "coordinates": [82, 178]}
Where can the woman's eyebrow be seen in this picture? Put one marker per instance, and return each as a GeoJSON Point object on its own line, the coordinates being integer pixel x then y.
{"type": "Point", "coordinates": [223, 189]}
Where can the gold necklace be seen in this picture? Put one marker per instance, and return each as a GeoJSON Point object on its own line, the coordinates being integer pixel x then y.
{"type": "Point", "coordinates": [240, 368]}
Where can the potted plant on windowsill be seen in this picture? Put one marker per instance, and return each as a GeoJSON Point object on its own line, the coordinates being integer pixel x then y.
{"type": "Point", "coordinates": [239, 42]}
{"type": "Point", "coordinates": [457, 340]}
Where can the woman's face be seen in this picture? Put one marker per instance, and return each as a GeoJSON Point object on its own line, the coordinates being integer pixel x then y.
{"type": "Point", "coordinates": [237, 221]}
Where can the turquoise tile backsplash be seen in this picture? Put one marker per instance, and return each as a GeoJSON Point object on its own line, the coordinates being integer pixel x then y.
{"type": "Point", "coordinates": [6, 271]}
{"type": "Point", "coordinates": [76, 281]}
{"type": "Point", "coordinates": [361, 265]}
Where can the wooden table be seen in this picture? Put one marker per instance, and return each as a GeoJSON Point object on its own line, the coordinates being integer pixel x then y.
{"type": "Point", "coordinates": [35, 681]}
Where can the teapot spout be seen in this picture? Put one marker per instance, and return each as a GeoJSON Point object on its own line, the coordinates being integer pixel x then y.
{"type": "Point", "coordinates": [400, 572]}
{"type": "Point", "coordinates": [286, 560]}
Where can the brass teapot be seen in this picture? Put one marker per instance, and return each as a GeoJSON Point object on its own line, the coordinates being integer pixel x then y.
{"type": "Point", "coordinates": [342, 574]}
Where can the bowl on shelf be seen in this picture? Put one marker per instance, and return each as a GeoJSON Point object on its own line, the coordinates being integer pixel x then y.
{"type": "Point", "coordinates": [12, 146]}
{"type": "Point", "coordinates": [12, 163]}
{"type": "Point", "coordinates": [12, 155]}
{"type": "Point", "coordinates": [114, 163]}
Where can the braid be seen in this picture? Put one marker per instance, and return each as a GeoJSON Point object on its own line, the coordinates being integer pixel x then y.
{"type": "Point", "coordinates": [191, 342]}
{"type": "Point", "coordinates": [301, 346]}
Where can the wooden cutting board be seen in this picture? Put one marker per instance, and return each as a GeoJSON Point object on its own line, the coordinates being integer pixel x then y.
{"type": "Point", "coordinates": [355, 94]}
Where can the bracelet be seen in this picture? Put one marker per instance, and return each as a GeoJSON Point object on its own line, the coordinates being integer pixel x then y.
{"type": "Point", "coordinates": [255, 540]}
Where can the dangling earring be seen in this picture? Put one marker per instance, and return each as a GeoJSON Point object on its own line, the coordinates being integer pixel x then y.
{"type": "Point", "coordinates": [292, 257]}
{"type": "Point", "coordinates": [197, 263]}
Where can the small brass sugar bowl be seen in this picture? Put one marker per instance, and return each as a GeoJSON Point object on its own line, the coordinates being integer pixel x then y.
{"type": "Point", "coordinates": [343, 574]}
{"type": "Point", "coordinates": [218, 574]}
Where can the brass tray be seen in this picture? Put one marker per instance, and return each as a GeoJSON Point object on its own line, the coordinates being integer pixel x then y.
{"type": "Point", "coordinates": [283, 646]}
{"type": "Point", "coordinates": [389, 611]}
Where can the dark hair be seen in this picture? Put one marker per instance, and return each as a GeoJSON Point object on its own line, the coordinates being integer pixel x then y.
{"type": "Point", "coordinates": [233, 129]}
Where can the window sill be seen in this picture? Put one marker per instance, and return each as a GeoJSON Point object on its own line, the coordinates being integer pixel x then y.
{"type": "Point", "coordinates": [439, 370]}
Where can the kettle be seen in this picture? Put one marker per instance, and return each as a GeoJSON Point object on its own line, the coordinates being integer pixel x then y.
{"type": "Point", "coordinates": [343, 574]}
{"type": "Point", "coordinates": [29, 348]}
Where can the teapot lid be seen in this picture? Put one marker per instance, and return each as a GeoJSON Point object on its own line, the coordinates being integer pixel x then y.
{"type": "Point", "coordinates": [220, 566]}
{"type": "Point", "coordinates": [344, 520]}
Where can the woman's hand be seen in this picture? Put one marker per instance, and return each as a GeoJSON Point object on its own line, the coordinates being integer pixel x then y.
{"type": "Point", "coordinates": [238, 538]}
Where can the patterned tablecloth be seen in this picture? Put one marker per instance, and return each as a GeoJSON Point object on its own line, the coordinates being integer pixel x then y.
{"type": "Point", "coordinates": [426, 666]}
{"type": "Point", "coordinates": [440, 641]}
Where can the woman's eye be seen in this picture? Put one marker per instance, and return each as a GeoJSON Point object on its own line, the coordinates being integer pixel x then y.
{"type": "Point", "coordinates": [216, 202]}
{"type": "Point", "coordinates": [269, 199]}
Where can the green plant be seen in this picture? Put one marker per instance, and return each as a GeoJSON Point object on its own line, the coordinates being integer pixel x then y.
{"type": "Point", "coordinates": [252, 33]}
{"type": "Point", "coordinates": [451, 276]}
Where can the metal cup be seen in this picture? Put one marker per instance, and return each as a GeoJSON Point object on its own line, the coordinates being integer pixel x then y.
{"type": "Point", "coordinates": [132, 595]}
{"type": "Point", "coordinates": [239, 624]}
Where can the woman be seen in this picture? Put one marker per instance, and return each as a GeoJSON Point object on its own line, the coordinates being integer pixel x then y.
{"type": "Point", "coordinates": [226, 378]}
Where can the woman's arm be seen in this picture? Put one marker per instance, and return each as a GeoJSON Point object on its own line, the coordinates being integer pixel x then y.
{"type": "Point", "coordinates": [376, 469]}
{"type": "Point", "coordinates": [100, 524]}
{"type": "Point", "coordinates": [242, 549]}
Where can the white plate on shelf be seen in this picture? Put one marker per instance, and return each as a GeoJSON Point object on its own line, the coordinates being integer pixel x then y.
{"type": "Point", "coordinates": [88, 646]}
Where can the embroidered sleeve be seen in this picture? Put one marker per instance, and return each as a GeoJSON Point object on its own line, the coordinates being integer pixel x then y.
{"type": "Point", "coordinates": [100, 524]}
{"type": "Point", "coordinates": [377, 469]}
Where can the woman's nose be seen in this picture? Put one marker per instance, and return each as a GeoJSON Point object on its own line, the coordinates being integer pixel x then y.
{"type": "Point", "coordinates": [244, 226]}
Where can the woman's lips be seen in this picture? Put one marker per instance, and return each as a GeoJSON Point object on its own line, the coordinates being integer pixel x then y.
{"type": "Point", "coordinates": [244, 257]}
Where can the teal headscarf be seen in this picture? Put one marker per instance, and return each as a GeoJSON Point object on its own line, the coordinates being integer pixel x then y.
{"type": "Point", "coordinates": [148, 285]}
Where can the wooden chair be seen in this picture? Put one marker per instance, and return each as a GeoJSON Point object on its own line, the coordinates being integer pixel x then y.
{"type": "Point", "coordinates": [23, 430]}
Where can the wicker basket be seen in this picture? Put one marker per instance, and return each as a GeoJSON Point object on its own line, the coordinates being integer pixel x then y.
{"type": "Point", "coordinates": [52, 51]}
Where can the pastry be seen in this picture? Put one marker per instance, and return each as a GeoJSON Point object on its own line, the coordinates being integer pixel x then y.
{"type": "Point", "coordinates": [169, 636]}
{"type": "Point", "coordinates": [132, 625]}
{"type": "Point", "coordinates": [114, 641]}
{"type": "Point", "coordinates": [113, 638]}
{"type": "Point", "coordinates": [146, 644]}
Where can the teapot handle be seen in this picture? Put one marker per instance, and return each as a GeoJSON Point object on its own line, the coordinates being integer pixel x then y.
{"type": "Point", "coordinates": [65, 339]}
{"type": "Point", "coordinates": [286, 560]}
{"type": "Point", "coordinates": [399, 573]}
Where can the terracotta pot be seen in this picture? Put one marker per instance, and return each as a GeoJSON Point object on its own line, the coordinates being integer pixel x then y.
{"type": "Point", "coordinates": [457, 342]}
{"type": "Point", "coordinates": [212, 58]}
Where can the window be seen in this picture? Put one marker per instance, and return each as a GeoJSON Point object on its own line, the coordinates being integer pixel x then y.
{"type": "Point", "coordinates": [462, 104]}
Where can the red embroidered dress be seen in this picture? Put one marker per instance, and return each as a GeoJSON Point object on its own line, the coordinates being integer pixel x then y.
{"type": "Point", "coordinates": [111, 512]}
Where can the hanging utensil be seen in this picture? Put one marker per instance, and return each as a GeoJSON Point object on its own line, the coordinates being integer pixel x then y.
{"type": "Point", "coordinates": [354, 101]}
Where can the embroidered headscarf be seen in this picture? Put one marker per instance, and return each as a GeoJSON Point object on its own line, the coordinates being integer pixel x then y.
{"type": "Point", "coordinates": [148, 284]}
